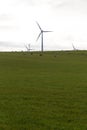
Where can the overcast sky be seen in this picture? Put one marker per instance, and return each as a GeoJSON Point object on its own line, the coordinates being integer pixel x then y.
{"type": "Point", "coordinates": [66, 18]}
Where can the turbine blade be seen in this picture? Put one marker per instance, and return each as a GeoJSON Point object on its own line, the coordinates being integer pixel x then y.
{"type": "Point", "coordinates": [39, 26]}
{"type": "Point", "coordinates": [38, 37]}
{"type": "Point", "coordinates": [47, 31]}
{"type": "Point", "coordinates": [27, 48]}
{"type": "Point", "coordinates": [73, 46]}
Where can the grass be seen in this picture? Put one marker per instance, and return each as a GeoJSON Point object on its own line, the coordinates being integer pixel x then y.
{"type": "Point", "coordinates": [47, 92]}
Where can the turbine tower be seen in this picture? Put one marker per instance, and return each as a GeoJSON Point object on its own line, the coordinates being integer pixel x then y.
{"type": "Point", "coordinates": [41, 34]}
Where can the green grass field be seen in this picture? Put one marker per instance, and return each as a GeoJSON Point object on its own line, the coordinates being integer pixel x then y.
{"type": "Point", "coordinates": [47, 92]}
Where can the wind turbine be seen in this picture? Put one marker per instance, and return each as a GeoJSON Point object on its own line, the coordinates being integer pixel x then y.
{"type": "Point", "coordinates": [28, 47]}
{"type": "Point", "coordinates": [41, 34]}
{"type": "Point", "coordinates": [74, 47]}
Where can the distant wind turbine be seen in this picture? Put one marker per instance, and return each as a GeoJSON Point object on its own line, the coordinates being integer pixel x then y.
{"type": "Point", "coordinates": [74, 47]}
{"type": "Point", "coordinates": [41, 34]}
{"type": "Point", "coordinates": [28, 47]}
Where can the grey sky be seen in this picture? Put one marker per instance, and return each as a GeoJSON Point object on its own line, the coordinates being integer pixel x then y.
{"type": "Point", "coordinates": [67, 18]}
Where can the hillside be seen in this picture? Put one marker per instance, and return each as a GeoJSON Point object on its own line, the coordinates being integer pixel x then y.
{"type": "Point", "coordinates": [47, 92]}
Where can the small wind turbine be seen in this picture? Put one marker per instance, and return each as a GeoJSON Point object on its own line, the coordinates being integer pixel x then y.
{"type": "Point", "coordinates": [41, 34]}
{"type": "Point", "coordinates": [28, 47]}
{"type": "Point", "coordinates": [74, 47]}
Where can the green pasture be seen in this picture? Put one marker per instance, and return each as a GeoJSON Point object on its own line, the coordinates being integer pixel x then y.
{"type": "Point", "coordinates": [47, 92]}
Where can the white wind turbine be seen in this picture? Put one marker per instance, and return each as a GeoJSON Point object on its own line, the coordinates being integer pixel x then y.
{"type": "Point", "coordinates": [74, 47]}
{"type": "Point", "coordinates": [41, 34]}
{"type": "Point", "coordinates": [28, 47]}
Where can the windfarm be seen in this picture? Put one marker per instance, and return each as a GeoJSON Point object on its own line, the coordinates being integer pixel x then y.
{"type": "Point", "coordinates": [43, 65]}
{"type": "Point", "coordinates": [43, 92]}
